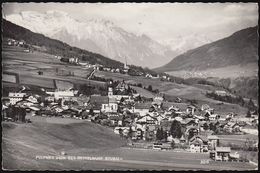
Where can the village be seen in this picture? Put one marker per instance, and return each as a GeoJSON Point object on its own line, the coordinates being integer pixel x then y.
{"type": "Point", "coordinates": [145, 123]}
{"type": "Point", "coordinates": [150, 123]}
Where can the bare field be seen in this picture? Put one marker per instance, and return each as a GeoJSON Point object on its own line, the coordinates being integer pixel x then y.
{"type": "Point", "coordinates": [143, 92]}
{"type": "Point", "coordinates": [42, 82]}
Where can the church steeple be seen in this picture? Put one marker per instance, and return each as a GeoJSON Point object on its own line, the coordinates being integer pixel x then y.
{"type": "Point", "coordinates": [125, 65]}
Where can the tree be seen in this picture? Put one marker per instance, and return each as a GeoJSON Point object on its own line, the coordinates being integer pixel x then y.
{"type": "Point", "coordinates": [205, 126]}
{"type": "Point", "coordinates": [122, 100]}
{"type": "Point", "coordinates": [91, 112]}
{"type": "Point", "coordinates": [159, 134]}
{"type": "Point", "coordinates": [248, 114]}
{"type": "Point", "coordinates": [175, 129]}
{"type": "Point", "coordinates": [59, 102]}
{"type": "Point", "coordinates": [140, 85]}
{"type": "Point", "coordinates": [191, 134]}
{"type": "Point", "coordinates": [120, 132]}
{"type": "Point", "coordinates": [130, 133]}
{"type": "Point", "coordinates": [45, 103]}
{"type": "Point", "coordinates": [173, 144]}
{"type": "Point", "coordinates": [150, 88]}
{"type": "Point", "coordinates": [251, 106]}
{"type": "Point", "coordinates": [212, 127]}
{"type": "Point", "coordinates": [123, 120]}
{"type": "Point", "coordinates": [165, 135]}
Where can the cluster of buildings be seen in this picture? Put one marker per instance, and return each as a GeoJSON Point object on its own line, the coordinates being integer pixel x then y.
{"type": "Point", "coordinates": [21, 43]}
{"type": "Point", "coordinates": [126, 69]}
{"type": "Point", "coordinates": [13, 42]}
{"type": "Point", "coordinates": [135, 119]}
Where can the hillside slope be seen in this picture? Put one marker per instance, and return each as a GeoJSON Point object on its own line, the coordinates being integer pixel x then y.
{"type": "Point", "coordinates": [50, 139]}
{"type": "Point", "coordinates": [53, 46]}
{"type": "Point", "coordinates": [237, 49]}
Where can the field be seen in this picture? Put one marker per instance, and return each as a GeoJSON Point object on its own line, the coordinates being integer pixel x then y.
{"type": "Point", "coordinates": [27, 66]}
{"type": "Point", "coordinates": [233, 71]}
{"type": "Point", "coordinates": [51, 136]}
{"type": "Point", "coordinates": [9, 78]}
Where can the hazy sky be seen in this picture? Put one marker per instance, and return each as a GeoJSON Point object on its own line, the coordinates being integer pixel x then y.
{"type": "Point", "coordinates": [161, 21]}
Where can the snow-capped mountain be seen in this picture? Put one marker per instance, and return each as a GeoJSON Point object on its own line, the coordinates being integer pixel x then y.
{"type": "Point", "coordinates": [96, 35]}
{"type": "Point", "coordinates": [181, 43]}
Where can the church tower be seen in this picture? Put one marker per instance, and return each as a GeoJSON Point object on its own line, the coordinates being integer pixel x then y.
{"type": "Point", "coordinates": [110, 91]}
{"type": "Point", "coordinates": [125, 65]}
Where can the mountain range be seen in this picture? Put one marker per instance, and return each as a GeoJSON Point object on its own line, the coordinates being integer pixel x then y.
{"type": "Point", "coordinates": [96, 35]}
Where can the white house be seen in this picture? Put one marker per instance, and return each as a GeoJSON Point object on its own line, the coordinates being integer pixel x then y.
{"type": "Point", "coordinates": [190, 109]}
{"type": "Point", "coordinates": [15, 97]}
{"type": "Point", "coordinates": [32, 99]}
{"type": "Point", "coordinates": [125, 130]}
{"type": "Point", "coordinates": [74, 60]}
{"type": "Point", "coordinates": [158, 98]}
{"type": "Point", "coordinates": [214, 117]}
{"type": "Point", "coordinates": [213, 142]}
{"type": "Point", "coordinates": [147, 119]}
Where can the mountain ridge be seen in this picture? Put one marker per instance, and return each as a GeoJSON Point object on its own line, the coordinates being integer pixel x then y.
{"type": "Point", "coordinates": [238, 49]}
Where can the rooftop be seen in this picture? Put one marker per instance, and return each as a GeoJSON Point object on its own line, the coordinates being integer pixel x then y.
{"type": "Point", "coordinates": [223, 149]}
{"type": "Point", "coordinates": [146, 105]}
{"type": "Point", "coordinates": [213, 137]}
{"type": "Point", "coordinates": [203, 138]}
{"type": "Point", "coordinates": [99, 99]}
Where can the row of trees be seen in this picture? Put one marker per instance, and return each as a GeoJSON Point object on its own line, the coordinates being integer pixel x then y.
{"type": "Point", "coordinates": [235, 100]}
{"type": "Point", "coordinates": [227, 98]}
{"type": "Point", "coordinates": [91, 89]}
{"type": "Point", "coordinates": [16, 113]}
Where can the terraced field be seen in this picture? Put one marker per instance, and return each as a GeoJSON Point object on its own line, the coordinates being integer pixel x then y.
{"type": "Point", "coordinates": [27, 66]}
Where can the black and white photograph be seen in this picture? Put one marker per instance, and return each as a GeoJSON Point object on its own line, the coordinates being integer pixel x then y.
{"type": "Point", "coordinates": [130, 86]}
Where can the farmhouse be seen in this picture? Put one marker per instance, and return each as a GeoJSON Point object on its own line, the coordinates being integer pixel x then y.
{"type": "Point", "coordinates": [220, 154]}
{"type": "Point", "coordinates": [147, 119]}
{"type": "Point", "coordinates": [213, 142]}
{"type": "Point", "coordinates": [122, 86]}
{"type": "Point", "coordinates": [198, 144]}
{"type": "Point", "coordinates": [122, 130]}
{"type": "Point", "coordinates": [74, 60]}
{"type": "Point", "coordinates": [214, 117]}
{"type": "Point", "coordinates": [158, 98]}
{"type": "Point", "coordinates": [221, 93]}
{"type": "Point", "coordinates": [190, 109]}
{"type": "Point", "coordinates": [5, 101]}
{"type": "Point", "coordinates": [15, 97]}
